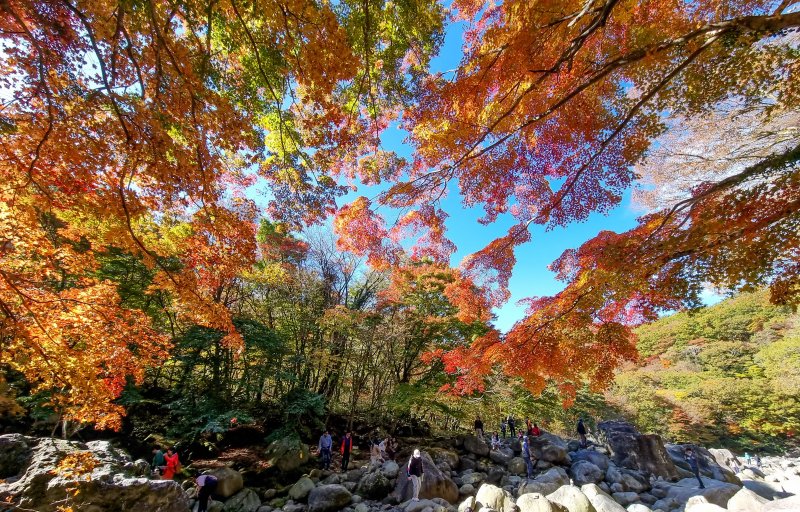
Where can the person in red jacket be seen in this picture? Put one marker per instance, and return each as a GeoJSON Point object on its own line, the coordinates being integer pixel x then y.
{"type": "Point", "coordinates": [535, 431]}
{"type": "Point", "coordinates": [172, 464]}
{"type": "Point", "coordinates": [347, 447]}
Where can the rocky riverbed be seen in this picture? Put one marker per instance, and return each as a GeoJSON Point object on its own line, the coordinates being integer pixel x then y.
{"type": "Point", "coordinates": [622, 471]}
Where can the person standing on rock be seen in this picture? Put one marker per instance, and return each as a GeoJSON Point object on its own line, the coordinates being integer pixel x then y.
{"type": "Point", "coordinates": [690, 457]}
{"type": "Point", "coordinates": [206, 485]}
{"type": "Point", "coordinates": [414, 471]}
{"type": "Point", "coordinates": [526, 456]}
{"type": "Point", "coordinates": [479, 428]}
{"type": "Point", "coordinates": [581, 429]}
{"type": "Point", "coordinates": [325, 446]}
{"type": "Point", "coordinates": [758, 461]}
{"type": "Point", "coordinates": [347, 447]}
{"type": "Point", "coordinates": [535, 431]}
{"type": "Point", "coordinates": [511, 429]}
{"type": "Point", "coordinates": [746, 459]}
{"type": "Point", "coordinates": [503, 426]}
{"type": "Point", "coordinates": [158, 459]}
{"type": "Point", "coordinates": [171, 464]}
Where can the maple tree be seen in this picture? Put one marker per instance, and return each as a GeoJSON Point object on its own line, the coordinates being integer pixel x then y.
{"type": "Point", "coordinates": [544, 121]}
{"type": "Point", "coordinates": [139, 126]}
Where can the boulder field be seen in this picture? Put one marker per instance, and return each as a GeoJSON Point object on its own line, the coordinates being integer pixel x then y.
{"type": "Point", "coordinates": [622, 471]}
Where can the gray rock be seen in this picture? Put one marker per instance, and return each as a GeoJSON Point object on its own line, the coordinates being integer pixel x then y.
{"type": "Point", "coordinates": [584, 472]}
{"type": "Point", "coordinates": [625, 498]}
{"type": "Point", "coordinates": [474, 445]}
{"type": "Point", "coordinates": [108, 486]}
{"type": "Point", "coordinates": [390, 469]}
{"type": "Point", "coordinates": [362, 507]}
{"type": "Point", "coordinates": [502, 456]}
{"type": "Point", "coordinates": [517, 466]}
{"type": "Point", "coordinates": [245, 500]}
{"type": "Point", "coordinates": [546, 483]}
{"type": "Point", "coordinates": [467, 504]}
{"type": "Point", "coordinates": [790, 504]}
{"type": "Point", "coordinates": [374, 486]}
{"type": "Point", "coordinates": [666, 504]}
{"type": "Point", "coordinates": [745, 500]}
{"type": "Point", "coordinates": [229, 482]}
{"type": "Point", "coordinates": [466, 490]}
{"type": "Point", "coordinates": [700, 504]}
{"type": "Point", "coordinates": [549, 447]}
{"type": "Point", "coordinates": [631, 449]}
{"type": "Point", "coordinates": [638, 507]}
{"type": "Point", "coordinates": [601, 501]}
{"type": "Point", "coordinates": [598, 459]}
{"type": "Point", "coordinates": [15, 450]}
{"type": "Point", "coordinates": [473, 478]}
{"type": "Point", "coordinates": [706, 462]}
{"type": "Point", "coordinates": [716, 492]}
{"type": "Point", "coordinates": [495, 475]}
{"type": "Point", "coordinates": [286, 454]}
{"type": "Point", "coordinates": [571, 498]}
{"type": "Point", "coordinates": [301, 488]}
{"type": "Point", "coordinates": [328, 498]}
{"type": "Point", "coordinates": [494, 498]}
{"type": "Point", "coordinates": [629, 480]}
{"type": "Point", "coordinates": [293, 507]}
{"type": "Point", "coordinates": [533, 502]}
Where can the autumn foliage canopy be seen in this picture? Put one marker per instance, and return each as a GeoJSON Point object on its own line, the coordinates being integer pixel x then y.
{"type": "Point", "coordinates": [141, 126]}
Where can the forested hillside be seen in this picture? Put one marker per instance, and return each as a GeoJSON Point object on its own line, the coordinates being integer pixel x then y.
{"type": "Point", "coordinates": [723, 375]}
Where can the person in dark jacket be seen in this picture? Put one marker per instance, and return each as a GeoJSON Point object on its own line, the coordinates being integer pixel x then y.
{"type": "Point", "coordinates": [581, 429]}
{"type": "Point", "coordinates": [530, 465]}
{"type": "Point", "coordinates": [479, 428]}
{"type": "Point", "coordinates": [325, 446]}
{"type": "Point", "coordinates": [158, 459]}
{"type": "Point", "coordinates": [347, 447]}
{"type": "Point", "coordinates": [503, 427]}
{"type": "Point", "coordinates": [512, 430]}
{"type": "Point", "coordinates": [206, 485]}
{"type": "Point", "coordinates": [414, 471]}
{"type": "Point", "coordinates": [690, 457]}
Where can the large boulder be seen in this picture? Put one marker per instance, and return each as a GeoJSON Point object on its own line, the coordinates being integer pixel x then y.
{"type": "Point", "coordinates": [517, 466]}
{"type": "Point", "coordinates": [502, 456]}
{"type": "Point", "coordinates": [474, 445]}
{"type": "Point", "coordinates": [374, 486]}
{"type": "Point", "coordinates": [790, 504]}
{"type": "Point", "coordinates": [598, 459]}
{"type": "Point", "coordinates": [14, 454]}
{"type": "Point", "coordinates": [328, 498]}
{"type": "Point", "coordinates": [584, 472]}
{"type": "Point", "coordinates": [546, 483]}
{"type": "Point", "coordinates": [745, 500]}
{"type": "Point", "coordinates": [628, 479]}
{"type": "Point", "coordinates": [245, 500]}
{"type": "Point", "coordinates": [549, 447]}
{"type": "Point", "coordinates": [767, 490]}
{"type": "Point", "coordinates": [534, 502]}
{"type": "Point", "coordinates": [435, 484]}
{"type": "Point", "coordinates": [495, 498]}
{"type": "Point", "coordinates": [286, 454]}
{"type": "Point", "coordinates": [715, 492]}
{"type": "Point", "coordinates": [706, 462]}
{"type": "Point", "coordinates": [390, 469]}
{"type": "Point", "coordinates": [229, 482]}
{"type": "Point", "coordinates": [571, 498]}
{"type": "Point", "coordinates": [301, 488]}
{"type": "Point", "coordinates": [440, 455]}
{"type": "Point", "coordinates": [601, 501]}
{"type": "Point", "coordinates": [631, 449]}
{"type": "Point", "coordinates": [97, 478]}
